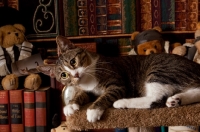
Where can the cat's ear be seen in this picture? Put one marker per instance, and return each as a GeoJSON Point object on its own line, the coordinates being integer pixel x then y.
{"type": "Point", "coordinates": [47, 70]}
{"type": "Point", "coordinates": [64, 44]}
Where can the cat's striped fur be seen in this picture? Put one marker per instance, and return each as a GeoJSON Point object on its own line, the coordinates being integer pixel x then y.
{"type": "Point", "coordinates": [129, 81]}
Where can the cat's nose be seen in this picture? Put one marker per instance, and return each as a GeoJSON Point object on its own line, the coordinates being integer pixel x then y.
{"type": "Point", "coordinates": [76, 75]}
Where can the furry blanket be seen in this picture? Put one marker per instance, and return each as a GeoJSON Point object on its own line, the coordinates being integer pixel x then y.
{"type": "Point", "coordinates": [123, 118]}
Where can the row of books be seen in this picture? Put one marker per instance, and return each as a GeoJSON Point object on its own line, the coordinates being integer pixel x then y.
{"type": "Point", "coordinates": [97, 17]}
{"type": "Point", "coordinates": [25, 110]}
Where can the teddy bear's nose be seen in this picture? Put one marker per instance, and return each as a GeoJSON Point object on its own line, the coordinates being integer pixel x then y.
{"type": "Point", "coordinates": [16, 34]}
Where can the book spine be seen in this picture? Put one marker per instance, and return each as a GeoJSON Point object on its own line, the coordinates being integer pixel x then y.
{"type": "Point", "coordinates": [101, 17]}
{"type": "Point", "coordinates": [90, 46]}
{"type": "Point", "coordinates": [198, 10]}
{"type": "Point", "coordinates": [29, 111]}
{"type": "Point", "coordinates": [4, 111]}
{"type": "Point", "coordinates": [180, 15]}
{"type": "Point", "coordinates": [168, 15]}
{"type": "Point", "coordinates": [156, 13]}
{"type": "Point", "coordinates": [146, 19]}
{"type": "Point", "coordinates": [42, 108]}
{"type": "Point", "coordinates": [70, 23]}
{"type": "Point", "coordinates": [82, 17]}
{"type": "Point", "coordinates": [129, 16]}
{"type": "Point", "coordinates": [114, 18]}
{"type": "Point", "coordinates": [192, 15]}
{"type": "Point", "coordinates": [16, 110]}
{"type": "Point", "coordinates": [91, 7]}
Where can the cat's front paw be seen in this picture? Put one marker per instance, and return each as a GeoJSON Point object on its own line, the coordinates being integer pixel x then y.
{"type": "Point", "coordinates": [173, 101]}
{"type": "Point", "coordinates": [120, 104]}
{"type": "Point", "coordinates": [94, 114]}
{"type": "Point", "coordinates": [70, 109]}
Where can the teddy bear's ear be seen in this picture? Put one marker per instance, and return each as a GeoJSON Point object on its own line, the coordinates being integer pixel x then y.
{"type": "Point", "coordinates": [20, 27]}
{"type": "Point", "coordinates": [158, 28]}
{"type": "Point", "coordinates": [134, 34]}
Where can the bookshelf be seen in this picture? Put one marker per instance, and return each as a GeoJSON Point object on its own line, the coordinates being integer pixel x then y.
{"type": "Point", "coordinates": [130, 16]}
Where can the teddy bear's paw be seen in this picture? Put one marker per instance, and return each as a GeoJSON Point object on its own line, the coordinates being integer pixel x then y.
{"type": "Point", "coordinates": [173, 101]}
{"type": "Point", "coordinates": [94, 114]}
{"type": "Point", "coordinates": [120, 104]}
{"type": "Point", "coordinates": [70, 109]}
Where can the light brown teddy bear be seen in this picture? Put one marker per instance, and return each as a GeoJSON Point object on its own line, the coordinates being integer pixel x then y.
{"type": "Point", "coordinates": [148, 42]}
{"type": "Point", "coordinates": [13, 47]}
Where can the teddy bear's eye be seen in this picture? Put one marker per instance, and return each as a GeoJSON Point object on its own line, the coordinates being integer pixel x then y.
{"type": "Point", "coordinates": [8, 32]}
{"type": "Point", "coordinates": [155, 47]}
{"type": "Point", "coordinates": [144, 50]}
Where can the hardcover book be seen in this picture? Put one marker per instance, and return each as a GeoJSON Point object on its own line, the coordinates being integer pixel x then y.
{"type": "Point", "coordinates": [29, 110]}
{"type": "Point", "coordinates": [146, 13]}
{"type": "Point", "coordinates": [4, 111]}
{"type": "Point", "coordinates": [16, 110]}
{"type": "Point", "coordinates": [192, 15]}
{"type": "Point", "coordinates": [101, 17]}
{"type": "Point", "coordinates": [82, 17]}
{"type": "Point", "coordinates": [70, 23]}
{"type": "Point", "coordinates": [114, 16]}
{"type": "Point", "coordinates": [91, 7]}
{"type": "Point", "coordinates": [168, 15]}
{"type": "Point", "coordinates": [156, 13]}
{"type": "Point", "coordinates": [42, 108]}
{"type": "Point", "coordinates": [180, 15]}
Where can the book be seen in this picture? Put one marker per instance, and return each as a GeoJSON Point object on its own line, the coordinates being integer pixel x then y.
{"type": "Point", "coordinates": [13, 3]}
{"type": "Point", "coordinates": [70, 23]}
{"type": "Point", "coordinates": [192, 15]}
{"type": "Point", "coordinates": [156, 12]}
{"type": "Point", "coordinates": [29, 110]}
{"type": "Point", "coordinates": [129, 16]}
{"type": "Point", "coordinates": [42, 107]}
{"type": "Point", "coordinates": [101, 17]}
{"type": "Point", "coordinates": [180, 15]}
{"type": "Point", "coordinates": [4, 111]}
{"type": "Point", "coordinates": [146, 13]}
{"type": "Point", "coordinates": [91, 7]}
{"type": "Point", "coordinates": [121, 129]}
{"type": "Point", "coordinates": [16, 110]}
{"type": "Point", "coordinates": [82, 17]}
{"type": "Point", "coordinates": [114, 16]}
{"type": "Point", "coordinates": [168, 15]}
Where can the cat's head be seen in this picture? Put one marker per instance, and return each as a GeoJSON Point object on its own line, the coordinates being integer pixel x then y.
{"type": "Point", "coordinates": [75, 60]}
{"type": "Point", "coordinates": [56, 71]}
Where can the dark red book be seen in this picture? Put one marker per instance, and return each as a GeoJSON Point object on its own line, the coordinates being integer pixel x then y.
{"type": "Point", "coordinates": [29, 110]}
{"type": "Point", "coordinates": [156, 13]}
{"type": "Point", "coordinates": [16, 110]}
{"type": "Point", "coordinates": [180, 15]}
{"type": "Point", "coordinates": [42, 109]}
{"type": "Point", "coordinates": [4, 114]}
{"type": "Point", "coordinates": [91, 7]}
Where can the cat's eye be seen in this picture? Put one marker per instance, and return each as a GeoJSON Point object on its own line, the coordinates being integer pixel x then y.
{"type": "Point", "coordinates": [64, 75]}
{"type": "Point", "coordinates": [73, 62]}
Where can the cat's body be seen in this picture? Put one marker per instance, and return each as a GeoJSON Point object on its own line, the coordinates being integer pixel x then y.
{"type": "Point", "coordinates": [129, 81]}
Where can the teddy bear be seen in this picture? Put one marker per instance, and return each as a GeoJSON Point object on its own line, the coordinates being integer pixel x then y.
{"type": "Point", "coordinates": [13, 47]}
{"type": "Point", "coordinates": [148, 42]}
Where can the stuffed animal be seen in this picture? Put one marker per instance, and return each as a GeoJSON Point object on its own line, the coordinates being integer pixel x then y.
{"type": "Point", "coordinates": [148, 42]}
{"type": "Point", "coordinates": [13, 47]}
{"type": "Point", "coordinates": [62, 128]}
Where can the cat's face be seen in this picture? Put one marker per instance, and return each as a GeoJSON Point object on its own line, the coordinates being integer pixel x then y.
{"type": "Point", "coordinates": [74, 60]}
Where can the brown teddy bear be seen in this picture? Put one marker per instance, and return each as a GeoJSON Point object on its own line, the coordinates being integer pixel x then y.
{"type": "Point", "coordinates": [13, 47]}
{"type": "Point", "coordinates": [148, 42]}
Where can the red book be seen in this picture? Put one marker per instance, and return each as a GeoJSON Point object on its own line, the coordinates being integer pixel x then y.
{"type": "Point", "coordinates": [4, 114]}
{"type": "Point", "coordinates": [29, 110]}
{"type": "Point", "coordinates": [16, 110]}
{"type": "Point", "coordinates": [41, 109]}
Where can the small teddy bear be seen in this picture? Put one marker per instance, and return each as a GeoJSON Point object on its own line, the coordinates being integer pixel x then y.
{"type": "Point", "coordinates": [147, 42]}
{"type": "Point", "coordinates": [13, 47]}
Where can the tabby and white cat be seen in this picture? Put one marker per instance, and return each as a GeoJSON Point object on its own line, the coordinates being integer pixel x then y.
{"type": "Point", "coordinates": [129, 81]}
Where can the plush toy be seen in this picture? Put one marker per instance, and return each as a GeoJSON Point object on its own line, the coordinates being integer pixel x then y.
{"type": "Point", "coordinates": [62, 128]}
{"type": "Point", "coordinates": [148, 42]}
{"type": "Point", "coordinates": [13, 47]}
